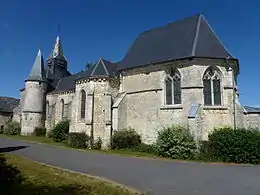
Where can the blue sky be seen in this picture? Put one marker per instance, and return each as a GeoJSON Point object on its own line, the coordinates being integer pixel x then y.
{"type": "Point", "coordinates": [91, 29]}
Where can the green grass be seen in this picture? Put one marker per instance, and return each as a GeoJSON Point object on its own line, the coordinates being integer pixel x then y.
{"type": "Point", "coordinates": [31, 178]}
{"type": "Point", "coordinates": [45, 140]}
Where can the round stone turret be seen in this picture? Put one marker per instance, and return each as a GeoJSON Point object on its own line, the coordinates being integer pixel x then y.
{"type": "Point", "coordinates": [34, 102]}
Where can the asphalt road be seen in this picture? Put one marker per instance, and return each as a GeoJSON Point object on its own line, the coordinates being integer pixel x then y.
{"type": "Point", "coordinates": [153, 176]}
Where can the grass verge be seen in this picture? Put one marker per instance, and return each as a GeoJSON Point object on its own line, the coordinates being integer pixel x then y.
{"type": "Point", "coordinates": [22, 176]}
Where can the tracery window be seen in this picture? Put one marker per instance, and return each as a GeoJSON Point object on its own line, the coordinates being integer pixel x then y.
{"type": "Point", "coordinates": [173, 88]}
{"type": "Point", "coordinates": [212, 87]}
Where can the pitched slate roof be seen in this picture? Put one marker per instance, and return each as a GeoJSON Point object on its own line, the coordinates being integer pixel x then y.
{"type": "Point", "coordinates": [100, 69]}
{"type": "Point", "coordinates": [38, 72]}
{"type": "Point", "coordinates": [250, 109]}
{"type": "Point", "coordinates": [66, 83]}
{"type": "Point", "coordinates": [189, 37]}
{"type": "Point", "coordinates": [7, 104]}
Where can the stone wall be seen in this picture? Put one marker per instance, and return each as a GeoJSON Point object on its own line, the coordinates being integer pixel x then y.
{"type": "Point", "coordinates": [252, 120]}
{"type": "Point", "coordinates": [33, 112]}
{"type": "Point", "coordinates": [30, 120]}
{"type": "Point", "coordinates": [54, 114]}
{"type": "Point", "coordinates": [17, 112]}
{"type": "Point", "coordinates": [98, 116]}
{"type": "Point", "coordinates": [145, 99]}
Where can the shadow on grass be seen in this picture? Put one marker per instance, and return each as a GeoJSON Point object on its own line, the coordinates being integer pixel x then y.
{"type": "Point", "coordinates": [10, 149]}
{"type": "Point", "coordinates": [12, 182]}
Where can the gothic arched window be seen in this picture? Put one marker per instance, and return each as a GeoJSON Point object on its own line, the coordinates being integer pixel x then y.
{"type": "Point", "coordinates": [62, 108]}
{"type": "Point", "coordinates": [212, 87]}
{"type": "Point", "coordinates": [173, 88]}
{"type": "Point", "coordinates": [83, 104]}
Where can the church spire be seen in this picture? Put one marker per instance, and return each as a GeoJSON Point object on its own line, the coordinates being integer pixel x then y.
{"type": "Point", "coordinates": [37, 73]}
{"type": "Point", "coordinates": [57, 51]}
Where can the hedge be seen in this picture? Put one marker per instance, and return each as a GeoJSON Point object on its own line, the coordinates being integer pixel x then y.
{"type": "Point", "coordinates": [125, 139]}
{"type": "Point", "coordinates": [239, 146]}
{"type": "Point", "coordinates": [78, 140]}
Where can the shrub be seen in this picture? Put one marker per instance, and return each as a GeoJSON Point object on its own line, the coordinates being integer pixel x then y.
{"type": "Point", "coordinates": [39, 131]}
{"type": "Point", "coordinates": [96, 144]}
{"type": "Point", "coordinates": [239, 146]}
{"type": "Point", "coordinates": [78, 140]}
{"type": "Point", "coordinates": [60, 131]}
{"type": "Point", "coordinates": [12, 128]}
{"type": "Point", "coordinates": [176, 142]}
{"type": "Point", "coordinates": [125, 139]}
{"type": "Point", "coordinates": [145, 148]}
{"type": "Point", "coordinates": [206, 152]}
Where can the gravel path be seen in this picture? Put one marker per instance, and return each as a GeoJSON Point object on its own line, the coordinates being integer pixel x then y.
{"type": "Point", "coordinates": [153, 176]}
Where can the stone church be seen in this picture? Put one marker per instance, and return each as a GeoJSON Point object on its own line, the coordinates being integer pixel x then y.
{"type": "Point", "coordinates": [180, 73]}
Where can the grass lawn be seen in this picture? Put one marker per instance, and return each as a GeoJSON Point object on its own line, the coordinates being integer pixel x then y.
{"type": "Point", "coordinates": [35, 179]}
{"type": "Point", "coordinates": [46, 140]}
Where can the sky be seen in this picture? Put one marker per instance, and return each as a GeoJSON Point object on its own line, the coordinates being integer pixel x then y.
{"type": "Point", "coordinates": [90, 29]}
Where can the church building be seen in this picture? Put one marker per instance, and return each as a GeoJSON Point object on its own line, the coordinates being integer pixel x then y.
{"type": "Point", "coordinates": [180, 73]}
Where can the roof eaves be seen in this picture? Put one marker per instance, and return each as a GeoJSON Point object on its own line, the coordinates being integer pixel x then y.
{"type": "Point", "coordinates": [178, 59]}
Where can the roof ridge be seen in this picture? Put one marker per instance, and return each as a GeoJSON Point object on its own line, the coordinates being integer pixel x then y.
{"type": "Point", "coordinates": [170, 23]}
{"type": "Point", "coordinates": [217, 37]}
{"type": "Point", "coordinates": [104, 66]}
{"type": "Point", "coordinates": [194, 46]}
{"type": "Point", "coordinates": [95, 67]}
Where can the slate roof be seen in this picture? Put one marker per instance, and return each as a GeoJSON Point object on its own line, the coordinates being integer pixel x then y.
{"type": "Point", "coordinates": [101, 68]}
{"type": "Point", "coordinates": [252, 110]}
{"type": "Point", "coordinates": [186, 38]}
{"type": "Point", "coordinates": [66, 83]}
{"type": "Point", "coordinates": [7, 104]}
{"type": "Point", "coordinates": [38, 72]}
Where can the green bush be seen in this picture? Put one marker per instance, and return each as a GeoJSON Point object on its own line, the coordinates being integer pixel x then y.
{"type": "Point", "coordinates": [239, 146]}
{"type": "Point", "coordinates": [39, 131]}
{"type": "Point", "coordinates": [206, 152]}
{"type": "Point", "coordinates": [176, 142]}
{"type": "Point", "coordinates": [96, 144]}
{"type": "Point", "coordinates": [125, 139]}
{"type": "Point", "coordinates": [78, 140]}
{"type": "Point", "coordinates": [145, 148]}
{"type": "Point", "coordinates": [12, 128]}
{"type": "Point", "coordinates": [60, 131]}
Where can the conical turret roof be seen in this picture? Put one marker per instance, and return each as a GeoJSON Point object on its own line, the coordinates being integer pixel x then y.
{"type": "Point", "coordinates": [37, 73]}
